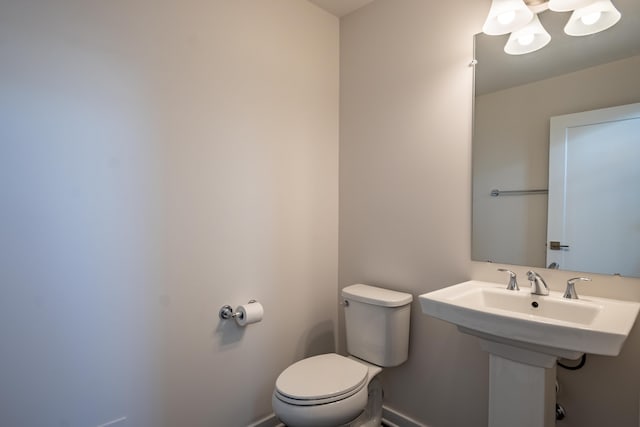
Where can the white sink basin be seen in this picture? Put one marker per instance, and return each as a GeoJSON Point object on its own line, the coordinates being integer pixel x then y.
{"type": "Point", "coordinates": [546, 324]}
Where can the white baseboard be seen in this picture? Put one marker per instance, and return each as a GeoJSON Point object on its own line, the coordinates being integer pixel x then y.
{"type": "Point", "coordinates": [390, 418]}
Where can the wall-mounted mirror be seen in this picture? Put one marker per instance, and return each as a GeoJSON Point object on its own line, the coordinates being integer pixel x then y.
{"type": "Point", "coordinates": [515, 98]}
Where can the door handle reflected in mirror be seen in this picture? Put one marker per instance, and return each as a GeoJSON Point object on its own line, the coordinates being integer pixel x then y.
{"type": "Point", "coordinates": [556, 246]}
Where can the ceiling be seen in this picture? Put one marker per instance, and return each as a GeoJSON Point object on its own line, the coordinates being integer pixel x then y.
{"type": "Point", "coordinates": [340, 8]}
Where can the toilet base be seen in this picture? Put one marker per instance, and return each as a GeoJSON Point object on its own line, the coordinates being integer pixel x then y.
{"type": "Point", "coordinates": [372, 415]}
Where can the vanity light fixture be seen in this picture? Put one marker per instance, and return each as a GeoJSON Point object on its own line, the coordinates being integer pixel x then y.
{"type": "Point", "coordinates": [527, 39]}
{"type": "Point", "coordinates": [506, 16]}
{"type": "Point", "coordinates": [528, 34]}
{"type": "Point", "coordinates": [591, 19]}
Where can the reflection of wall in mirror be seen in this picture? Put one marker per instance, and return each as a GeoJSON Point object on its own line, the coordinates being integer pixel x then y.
{"type": "Point", "coordinates": [510, 152]}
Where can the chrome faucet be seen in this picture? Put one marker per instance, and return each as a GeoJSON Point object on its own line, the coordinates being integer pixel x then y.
{"type": "Point", "coordinates": [570, 292]}
{"type": "Point", "coordinates": [538, 285]}
{"type": "Point", "coordinates": [513, 282]}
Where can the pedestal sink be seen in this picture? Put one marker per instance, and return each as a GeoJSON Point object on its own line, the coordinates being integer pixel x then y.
{"type": "Point", "coordinates": [525, 334]}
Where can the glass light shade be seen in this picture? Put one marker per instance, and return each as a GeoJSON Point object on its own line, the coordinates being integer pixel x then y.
{"type": "Point", "coordinates": [567, 5]}
{"type": "Point", "coordinates": [527, 39]}
{"type": "Point", "coordinates": [506, 16]}
{"type": "Point", "coordinates": [581, 23]}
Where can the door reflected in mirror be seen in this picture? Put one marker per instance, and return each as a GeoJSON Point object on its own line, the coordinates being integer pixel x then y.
{"type": "Point", "coordinates": [594, 194]}
{"type": "Point", "coordinates": [516, 96]}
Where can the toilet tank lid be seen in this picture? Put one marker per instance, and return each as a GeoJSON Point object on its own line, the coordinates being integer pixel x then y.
{"type": "Point", "coordinates": [376, 296]}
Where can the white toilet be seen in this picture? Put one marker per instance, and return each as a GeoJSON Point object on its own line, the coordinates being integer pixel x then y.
{"type": "Point", "coordinates": [332, 390]}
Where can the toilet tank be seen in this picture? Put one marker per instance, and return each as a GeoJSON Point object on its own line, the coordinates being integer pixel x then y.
{"type": "Point", "coordinates": [377, 324]}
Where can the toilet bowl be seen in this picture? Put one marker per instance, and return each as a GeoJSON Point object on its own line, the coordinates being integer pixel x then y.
{"type": "Point", "coordinates": [331, 390]}
{"type": "Point", "coordinates": [323, 391]}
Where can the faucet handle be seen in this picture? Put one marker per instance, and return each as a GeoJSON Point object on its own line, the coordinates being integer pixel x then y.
{"type": "Point", "coordinates": [513, 282]}
{"type": "Point", "coordinates": [570, 292]}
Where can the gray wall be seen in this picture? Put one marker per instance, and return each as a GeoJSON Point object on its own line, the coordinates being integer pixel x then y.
{"type": "Point", "coordinates": [405, 192]}
{"type": "Point", "coordinates": [159, 159]}
{"type": "Point", "coordinates": [405, 185]}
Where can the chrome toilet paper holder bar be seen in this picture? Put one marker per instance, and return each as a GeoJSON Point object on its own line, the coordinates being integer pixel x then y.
{"type": "Point", "coordinates": [226, 311]}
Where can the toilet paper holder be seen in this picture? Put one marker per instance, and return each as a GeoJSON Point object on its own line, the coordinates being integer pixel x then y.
{"type": "Point", "coordinates": [226, 311]}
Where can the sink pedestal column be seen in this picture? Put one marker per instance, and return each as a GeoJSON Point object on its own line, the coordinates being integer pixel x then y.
{"type": "Point", "coordinates": [521, 386]}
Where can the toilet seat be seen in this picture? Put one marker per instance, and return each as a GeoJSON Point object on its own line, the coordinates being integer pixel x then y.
{"type": "Point", "coordinates": [320, 380]}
